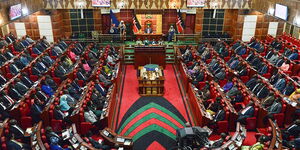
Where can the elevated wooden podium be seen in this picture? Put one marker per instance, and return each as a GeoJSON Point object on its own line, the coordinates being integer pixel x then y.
{"type": "Point", "coordinates": [149, 54]}
{"type": "Point", "coordinates": [151, 87]}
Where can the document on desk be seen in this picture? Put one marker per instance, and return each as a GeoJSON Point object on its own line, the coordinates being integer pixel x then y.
{"type": "Point", "coordinates": [119, 139]}
{"type": "Point", "coordinates": [29, 131]}
{"type": "Point", "coordinates": [127, 142]}
{"type": "Point", "coordinates": [66, 135]}
{"type": "Point", "coordinates": [106, 133]}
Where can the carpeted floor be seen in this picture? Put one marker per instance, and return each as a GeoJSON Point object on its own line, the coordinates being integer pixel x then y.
{"type": "Point", "coordinates": [151, 121]}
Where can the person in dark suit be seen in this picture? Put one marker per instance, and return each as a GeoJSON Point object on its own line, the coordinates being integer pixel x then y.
{"type": "Point", "coordinates": [221, 74]}
{"type": "Point", "coordinates": [60, 71]}
{"type": "Point", "coordinates": [19, 64]}
{"type": "Point", "coordinates": [276, 107]}
{"type": "Point", "coordinates": [36, 110]}
{"type": "Point", "coordinates": [8, 54]}
{"type": "Point", "coordinates": [20, 87]}
{"type": "Point", "coordinates": [280, 84]}
{"type": "Point", "coordinates": [35, 50]}
{"type": "Point", "coordinates": [245, 113]}
{"type": "Point", "coordinates": [263, 92]}
{"type": "Point", "coordinates": [36, 71]}
{"type": "Point", "coordinates": [148, 29]}
{"type": "Point", "coordinates": [13, 69]}
{"type": "Point", "coordinates": [233, 91]}
{"type": "Point", "coordinates": [58, 114]}
{"type": "Point", "coordinates": [46, 59]}
{"type": "Point", "coordinates": [268, 101]}
{"type": "Point", "coordinates": [2, 59]}
{"type": "Point", "coordinates": [72, 91]}
{"type": "Point", "coordinates": [13, 93]}
{"type": "Point", "coordinates": [81, 75]}
{"type": "Point", "coordinates": [104, 80]}
{"type": "Point", "coordinates": [16, 130]}
{"type": "Point", "coordinates": [6, 101]}
{"type": "Point", "coordinates": [41, 66]}
{"type": "Point", "coordinates": [25, 79]}
{"type": "Point", "coordinates": [17, 46]}
{"type": "Point", "coordinates": [215, 106]}
{"type": "Point", "coordinates": [101, 90]}
{"type": "Point", "coordinates": [51, 82]}
{"type": "Point", "coordinates": [40, 95]}
{"type": "Point", "coordinates": [292, 130]}
{"type": "Point", "coordinates": [13, 144]}
{"type": "Point", "coordinates": [289, 89]}
{"type": "Point", "coordinates": [2, 79]}
{"type": "Point", "coordinates": [220, 115]}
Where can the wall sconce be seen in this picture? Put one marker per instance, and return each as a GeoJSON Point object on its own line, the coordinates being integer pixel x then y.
{"type": "Point", "coordinates": [24, 11]}
{"type": "Point", "coordinates": [80, 4]}
{"type": "Point", "coordinates": [296, 20]}
{"type": "Point", "coordinates": [271, 11]}
{"type": "Point", "coordinates": [121, 4]}
{"type": "Point", "coordinates": [173, 4]}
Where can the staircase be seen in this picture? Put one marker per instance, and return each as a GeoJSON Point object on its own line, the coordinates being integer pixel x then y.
{"type": "Point", "coordinates": [170, 54]}
{"type": "Point", "coordinates": [129, 52]}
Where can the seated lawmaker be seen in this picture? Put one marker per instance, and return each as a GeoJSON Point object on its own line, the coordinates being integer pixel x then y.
{"type": "Point", "coordinates": [36, 110]}
{"type": "Point", "coordinates": [268, 101]}
{"type": "Point", "coordinates": [51, 82]}
{"type": "Point", "coordinates": [245, 113]}
{"type": "Point", "coordinates": [14, 144]}
{"type": "Point", "coordinates": [289, 89]}
{"type": "Point", "coordinates": [214, 106]}
{"type": "Point", "coordinates": [40, 95]}
{"type": "Point", "coordinates": [20, 87]}
{"type": "Point", "coordinates": [46, 88]}
{"type": "Point", "coordinates": [148, 29]}
{"type": "Point", "coordinates": [16, 130]}
{"type": "Point", "coordinates": [276, 107]}
{"type": "Point", "coordinates": [292, 130]}
{"type": "Point", "coordinates": [3, 80]}
{"type": "Point", "coordinates": [26, 80]}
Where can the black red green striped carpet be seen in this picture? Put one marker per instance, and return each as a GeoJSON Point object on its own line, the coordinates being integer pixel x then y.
{"type": "Point", "coordinates": [152, 120]}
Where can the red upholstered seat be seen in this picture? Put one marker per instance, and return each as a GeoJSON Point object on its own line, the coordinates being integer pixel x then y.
{"type": "Point", "coordinates": [56, 125]}
{"type": "Point", "coordinates": [56, 80]}
{"type": "Point", "coordinates": [244, 78]}
{"type": "Point", "coordinates": [280, 116]}
{"type": "Point", "coordinates": [251, 122]}
{"type": "Point", "coordinates": [26, 122]}
{"type": "Point", "coordinates": [85, 127]}
{"type": "Point", "coordinates": [223, 125]}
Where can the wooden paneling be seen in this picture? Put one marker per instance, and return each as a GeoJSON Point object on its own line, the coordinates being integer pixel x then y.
{"type": "Point", "coordinates": [148, 4]}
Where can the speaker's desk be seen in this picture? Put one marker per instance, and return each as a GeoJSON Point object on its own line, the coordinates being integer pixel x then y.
{"type": "Point", "coordinates": [149, 55]}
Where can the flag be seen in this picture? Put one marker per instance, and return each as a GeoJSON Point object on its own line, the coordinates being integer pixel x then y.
{"type": "Point", "coordinates": [114, 19]}
{"type": "Point", "coordinates": [179, 23]}
{"type": "Point", "coordinates": [136, 24]}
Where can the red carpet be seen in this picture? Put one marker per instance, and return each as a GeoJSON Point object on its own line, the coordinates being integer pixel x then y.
{"type": "Point", "coordinates": [151, 121]}
{"type": "Point", "coordinates": [172, 92]}
{"type": "Point", "coordinates": [130, 91]}
{"type": "Point", "coordinates": [146, 113]}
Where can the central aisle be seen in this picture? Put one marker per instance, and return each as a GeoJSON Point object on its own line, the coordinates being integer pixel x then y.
{"type": "Point", "coordinates": [151, 121]}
